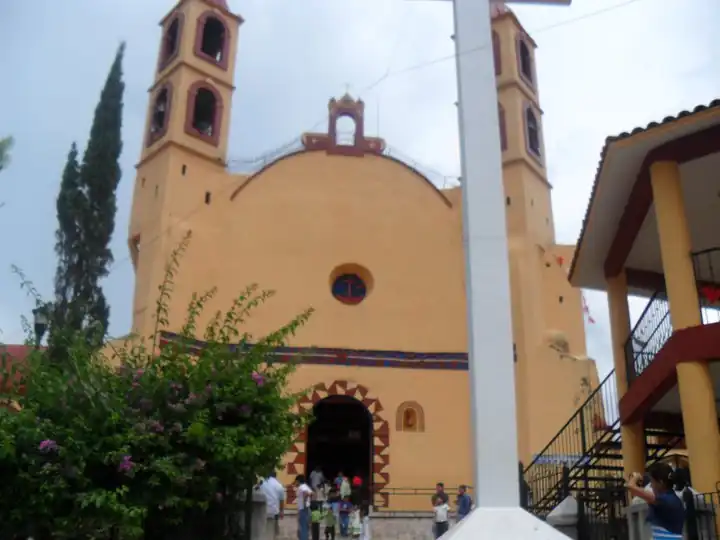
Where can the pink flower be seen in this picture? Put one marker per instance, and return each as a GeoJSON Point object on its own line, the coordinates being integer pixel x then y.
{"type": "Point", "coordinates": [48, 445]}
{"type": "Point", "coordinates": [258, 378]}
{"type": "Point", "coordinates": [126, 464]}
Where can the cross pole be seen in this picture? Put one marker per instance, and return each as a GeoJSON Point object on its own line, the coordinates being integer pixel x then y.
{"type": "Point", "coordinates": [487, 277]}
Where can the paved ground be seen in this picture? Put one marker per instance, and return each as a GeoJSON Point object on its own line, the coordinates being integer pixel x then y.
{"type": "Point", "coordinates": [384, 526]}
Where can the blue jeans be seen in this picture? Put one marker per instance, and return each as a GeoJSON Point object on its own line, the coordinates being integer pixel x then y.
{"type": "Point", "coordinates": [344, 522]}
{"type": "Point", "coordinates": [304, 524]}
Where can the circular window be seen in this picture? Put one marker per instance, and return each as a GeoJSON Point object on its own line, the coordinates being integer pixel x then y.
{"type": "Point", "coordinates": [349, 289]}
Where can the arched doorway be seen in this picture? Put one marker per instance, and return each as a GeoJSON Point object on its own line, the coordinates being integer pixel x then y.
{"type": "Point", "coordinates": [340, 438]}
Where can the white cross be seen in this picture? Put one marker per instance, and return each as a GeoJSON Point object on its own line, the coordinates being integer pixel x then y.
{"type": "Point", "coordinates": [490, 348]}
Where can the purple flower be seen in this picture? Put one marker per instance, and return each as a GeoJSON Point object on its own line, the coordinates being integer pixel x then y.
{"type": "Point", "coordinates": [258, 378]}
{"type": "Point", "coordinates": [126, 464]}
{"type": "Point", "coordinates": [156, 426]}
{"type": "Point", "coordinates": [48, 445]}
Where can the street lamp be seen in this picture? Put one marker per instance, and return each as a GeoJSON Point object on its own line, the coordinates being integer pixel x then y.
{"type": "Point", "coordinates": [40, 322]}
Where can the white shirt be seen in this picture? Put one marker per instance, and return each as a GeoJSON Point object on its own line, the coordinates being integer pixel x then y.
{"type": "Point", "coordinates": [304, 494]}
{"type": "Point", "coordinates": [441, 513]}
{"type": "Point", "coordinates": [274, 494]}
{"type": "Point", "coordinates": [316, 478]}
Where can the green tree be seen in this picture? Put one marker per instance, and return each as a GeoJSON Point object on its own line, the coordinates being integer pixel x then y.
{"type": "Point", "coordinates": [71, 208]}
{"type": "Point", "coordinates": [86, 208]}
{"type": "Point", "coordinates": [5, 146]}
{"type": "Point", "coordinates": [155, 448]}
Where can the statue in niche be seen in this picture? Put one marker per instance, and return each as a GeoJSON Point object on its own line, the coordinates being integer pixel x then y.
{"type": "Point", "coordinates": [410, 419]}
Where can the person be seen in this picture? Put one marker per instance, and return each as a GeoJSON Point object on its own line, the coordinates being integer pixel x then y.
{"type": "Point", "coordinates": [316, 478]}
{"type": "Point", "coordinates": [330, 518]}
{"type": "Point", "coordinates": [666, 511]}
{"type": "Point", "coordinates": [334, 502]}
{"type": "Point", "coordinates": [355, 522]}
{"type": "Point", "coordinates": [365, 513]}
{"type": "Point", "coordinates": [316, 518]}
{"type": "Point", "coordinates": [464, 503]}
{"type": "Point", "coordinates": [344, 511]}
{"type": "Point", "coordinates": [274, 493]}
{"type": "Point", "coordinates": [304, 497]}
{"type": "Point", "coordinates": [338, 479]}
{"type": "Point", "coordinates": [356, 490]}
{"type": "Point", "coordinates": [440, 511]}
{"type": "Point", "coordinates": [439, 492]}
{"type": "Point", "coordinates": [321, 492]}
{"type": "Point", "coordinates": [681, 485]}
{"type": "Point", "coordinates": [345, 490]}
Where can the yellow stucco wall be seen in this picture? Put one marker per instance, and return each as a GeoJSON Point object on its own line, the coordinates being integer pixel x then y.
{"type": "Point", "coordinates": [291, 224]}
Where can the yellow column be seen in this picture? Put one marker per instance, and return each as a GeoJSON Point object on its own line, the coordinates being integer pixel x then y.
{"type": "Point", "coordinates": [697, 396]}
{"type": "Point", "coordinates": [633, 435]}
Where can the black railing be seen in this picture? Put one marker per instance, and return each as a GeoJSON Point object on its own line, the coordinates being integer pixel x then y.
{"type": "Point", "coordinates": [649, 335]}
{"type": "Point", "coordinates": [601, 512]}
{"type": "Point", "coordinates": [706, 265]}
{"type": "Point", "coordinates": [701, 515]}
{"type": "Point", "coordinates": [596, 420]}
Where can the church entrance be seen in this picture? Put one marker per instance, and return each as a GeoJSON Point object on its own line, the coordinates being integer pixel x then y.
{"type": "Point", "coordinates": [340, 439]}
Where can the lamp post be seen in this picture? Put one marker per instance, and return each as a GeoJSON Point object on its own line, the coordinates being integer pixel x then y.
{"type": "Point", "coordinates": [41, 321]}
{"type": "Point", "coordinates": [490, 348]}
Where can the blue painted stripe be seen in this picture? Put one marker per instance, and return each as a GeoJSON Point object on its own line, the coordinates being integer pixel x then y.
{"type": "Point", "coordinates": [658, 533]}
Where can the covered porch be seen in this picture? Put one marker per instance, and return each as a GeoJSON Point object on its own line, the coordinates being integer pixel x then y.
{"type": "Point", "coordinates": [652, 230]}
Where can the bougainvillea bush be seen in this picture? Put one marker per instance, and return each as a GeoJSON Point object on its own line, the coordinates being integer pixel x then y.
{"type": "Point", "coordinates": [162, 446]}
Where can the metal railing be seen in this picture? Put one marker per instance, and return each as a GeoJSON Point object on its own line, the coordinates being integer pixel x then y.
{"type": "Point", "coordinates": [594, 422]}
{"type": "Point", "coordinates": [701, 515]}
{"type": "Point", "coordinates": [649, 335]}
{"type": "Point", "coordinates": [706, 265]}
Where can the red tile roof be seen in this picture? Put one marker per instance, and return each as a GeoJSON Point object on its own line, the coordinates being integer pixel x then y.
{"type": "Point", "coordinates": [603, 154]}
{"type": "Point", "coordinates": [16, 352]}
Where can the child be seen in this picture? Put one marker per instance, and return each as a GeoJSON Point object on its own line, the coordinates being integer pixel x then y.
{"type": "Point", "coordinates": [355, 523]}
{"type": "Point", "coordinates": [441, 510]}
{"type": "Point", "coordinates": [344, 511]}
{"type": "Point", "coordinates": [329, 519]}
{"type": "Point", "coordinates": [366, 523]}
{"type": "Point", "coordinates": [316, 517]}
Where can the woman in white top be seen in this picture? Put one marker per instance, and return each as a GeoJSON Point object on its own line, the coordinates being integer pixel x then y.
{"type": "Point", "coordinates": [441, 511]}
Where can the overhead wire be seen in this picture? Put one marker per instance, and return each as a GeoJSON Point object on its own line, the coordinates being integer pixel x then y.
{"type": "Point", "coordinates": [386, 75]}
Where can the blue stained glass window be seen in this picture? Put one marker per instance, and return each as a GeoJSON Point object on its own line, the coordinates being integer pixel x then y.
{"type": "Point", "coordinates": [349, 289]}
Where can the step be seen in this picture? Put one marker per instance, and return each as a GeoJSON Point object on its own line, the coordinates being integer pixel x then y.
{"type": "Point", "coordinates": [383, 526]}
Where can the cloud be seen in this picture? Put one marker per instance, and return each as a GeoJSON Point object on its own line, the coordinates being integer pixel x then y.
{"type": "Point", "coordinates": [599, 75]}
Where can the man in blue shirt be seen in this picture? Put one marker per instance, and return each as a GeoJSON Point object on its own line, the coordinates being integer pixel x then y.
{"type": "Point", "coordinates": [464, 503]}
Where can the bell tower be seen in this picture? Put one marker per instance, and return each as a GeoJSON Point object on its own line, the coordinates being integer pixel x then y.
{"type": "Point", "coordinates": [527, 190]}
{"type": "Point", "coordinates": [186, 137]}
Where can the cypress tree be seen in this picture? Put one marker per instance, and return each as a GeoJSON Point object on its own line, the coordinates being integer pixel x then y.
{"type": "Point", "coordinates": [5, 145]}
{"type": "Point", "coordinates": [71, 206]}
{"type": "Point", "coordinates": [86, 209]}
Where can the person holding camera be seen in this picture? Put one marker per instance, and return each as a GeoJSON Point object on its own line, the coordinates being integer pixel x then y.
{"type": "Point", "coordinates": [666, 511]}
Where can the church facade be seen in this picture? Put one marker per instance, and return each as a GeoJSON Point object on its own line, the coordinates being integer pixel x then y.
{"type": "Point", "coordinates": [373, 246]}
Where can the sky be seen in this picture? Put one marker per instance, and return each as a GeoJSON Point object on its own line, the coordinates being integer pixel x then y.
{"type": "Point", "coordinates": [604, 67]}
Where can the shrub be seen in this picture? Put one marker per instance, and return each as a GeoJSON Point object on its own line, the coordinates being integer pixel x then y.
{"type": "Point", "coordinates": [165, 446]}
